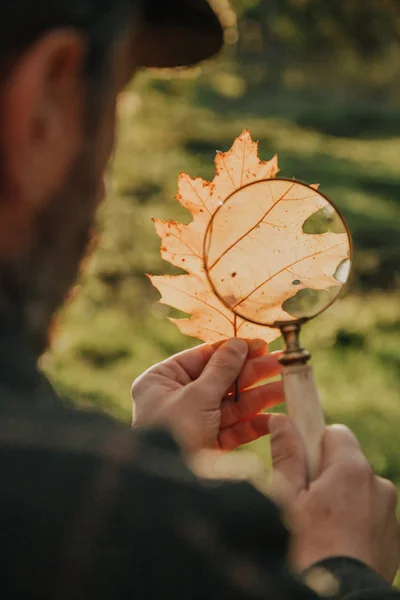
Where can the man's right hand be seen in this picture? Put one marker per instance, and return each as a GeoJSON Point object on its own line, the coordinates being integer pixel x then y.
{"type": "Point", "coordinates": [347, 511]}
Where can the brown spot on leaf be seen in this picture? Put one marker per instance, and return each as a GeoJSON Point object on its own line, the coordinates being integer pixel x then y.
{"type": "Point", "coordinates": [230, 300]}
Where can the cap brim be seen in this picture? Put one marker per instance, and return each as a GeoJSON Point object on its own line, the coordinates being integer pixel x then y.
{"type": "Point", "coordinates": [179, 33]}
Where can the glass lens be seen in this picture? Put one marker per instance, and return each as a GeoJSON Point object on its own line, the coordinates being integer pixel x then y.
{"type": "Point", "coordinates": [277, 251]}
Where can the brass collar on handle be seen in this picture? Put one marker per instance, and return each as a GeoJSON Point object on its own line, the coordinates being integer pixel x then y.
{"type": "Point", "coordinates": [294, 354]}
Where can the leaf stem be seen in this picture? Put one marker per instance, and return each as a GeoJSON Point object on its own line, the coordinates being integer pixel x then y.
{"type": "Point", "coordinates": [235, 331]}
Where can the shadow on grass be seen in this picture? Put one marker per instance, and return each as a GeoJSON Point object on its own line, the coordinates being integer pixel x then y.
{"type": "Point", "coordinates": [315, 111]}
{"type": "Point", "coordinates": [389, 327]}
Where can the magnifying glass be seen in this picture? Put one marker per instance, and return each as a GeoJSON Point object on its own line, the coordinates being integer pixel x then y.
{"type": "Point", "coordinates": [278, 253]}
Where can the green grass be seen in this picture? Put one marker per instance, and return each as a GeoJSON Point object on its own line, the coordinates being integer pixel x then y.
{"type": "Point", "coordinates": [115, 327]}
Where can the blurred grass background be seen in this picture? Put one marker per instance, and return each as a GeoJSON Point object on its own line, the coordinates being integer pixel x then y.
{"type": "Point", "coordinates": [319, 85]}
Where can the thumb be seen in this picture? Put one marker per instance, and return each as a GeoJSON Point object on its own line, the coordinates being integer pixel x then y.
{"type": "Point", "coordinates": [223, 368]}
{"type": "Point", "coordinates": [340, 445]}
{"type": "Point", "coordinates": [288, 454]}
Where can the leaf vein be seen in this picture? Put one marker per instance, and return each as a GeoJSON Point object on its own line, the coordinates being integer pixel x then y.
{"type": "Point", "coordinates": [287, 267]}
{"type": "Point", "coordinates": [225, 252]}
{"type": "Point", "coordinates": [199, 300]}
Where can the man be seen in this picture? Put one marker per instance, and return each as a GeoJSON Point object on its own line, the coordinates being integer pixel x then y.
{"type": "Point", "coordinates": [88, 508]}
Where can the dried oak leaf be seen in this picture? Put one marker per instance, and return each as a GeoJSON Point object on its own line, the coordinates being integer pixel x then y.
{"type": "Point", "coordinates": [182, 246]}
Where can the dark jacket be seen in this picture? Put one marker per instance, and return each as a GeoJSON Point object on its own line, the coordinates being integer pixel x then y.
{"type": "Point", "coordinates": [92, 510]}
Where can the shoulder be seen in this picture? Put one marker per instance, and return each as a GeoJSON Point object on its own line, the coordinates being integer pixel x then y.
{"type": "Point", "coordinates": [63, 443]}
{"type": "Point", "coordinates": [63, 430]}
{"type": "Point", "coordinates": [80, 488]}
{"type": "Point", "coordinates": [92, 439]}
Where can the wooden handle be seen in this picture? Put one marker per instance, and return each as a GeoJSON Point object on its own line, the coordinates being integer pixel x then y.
{"type": "Point", "coordinates": [304, 408]}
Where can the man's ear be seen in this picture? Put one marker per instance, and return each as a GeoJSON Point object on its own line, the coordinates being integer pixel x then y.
{"type": "Point", "coordinates": [42, 119]}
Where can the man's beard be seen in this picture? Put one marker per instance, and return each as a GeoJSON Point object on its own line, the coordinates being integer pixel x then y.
{"type": "Point", "coordinates": [34, 288]}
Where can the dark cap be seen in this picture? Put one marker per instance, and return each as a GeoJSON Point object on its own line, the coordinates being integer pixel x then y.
{"type": "Point", "coordinates": [171, 33]}
{"type": "Point", "coordinates": [179, 33]}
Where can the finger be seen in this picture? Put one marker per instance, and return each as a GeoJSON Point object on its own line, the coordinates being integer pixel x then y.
{"type": "Point", "coordinates": [251, 403]}
{"type": "Point", "coordinates": [259, 369]}
{"type": "Point", "coordinates": [257, 347]}
{"type": "Point", "coordinates": [388, 491]}
{"type": "Point", "coordinates": [339, 445]}
{"type": "Point", "coordinates": [222, 370]}
{"type": "Point", "coordinates": [288, 453]}
{"type": "Point", "coordinates": [194, 360]}
{"type": "Point", "coordinates": [244, 432]}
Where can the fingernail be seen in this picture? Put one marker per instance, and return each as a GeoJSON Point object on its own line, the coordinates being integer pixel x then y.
{"type": "Point", "coordinates": [277, 422]}
{"type": "Point", "coordinates": [241, 346]}
{"type": "Point", "coordinates": [255, 345]}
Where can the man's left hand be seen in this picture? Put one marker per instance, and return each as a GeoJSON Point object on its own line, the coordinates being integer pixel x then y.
{"type": "Point", "coordinates": [193, 394]}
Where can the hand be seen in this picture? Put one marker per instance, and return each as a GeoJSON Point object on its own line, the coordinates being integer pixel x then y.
{"type": "Point", "coordinates": [192, 393]}
{"type": "Point", "coordinates": [346, 511]}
